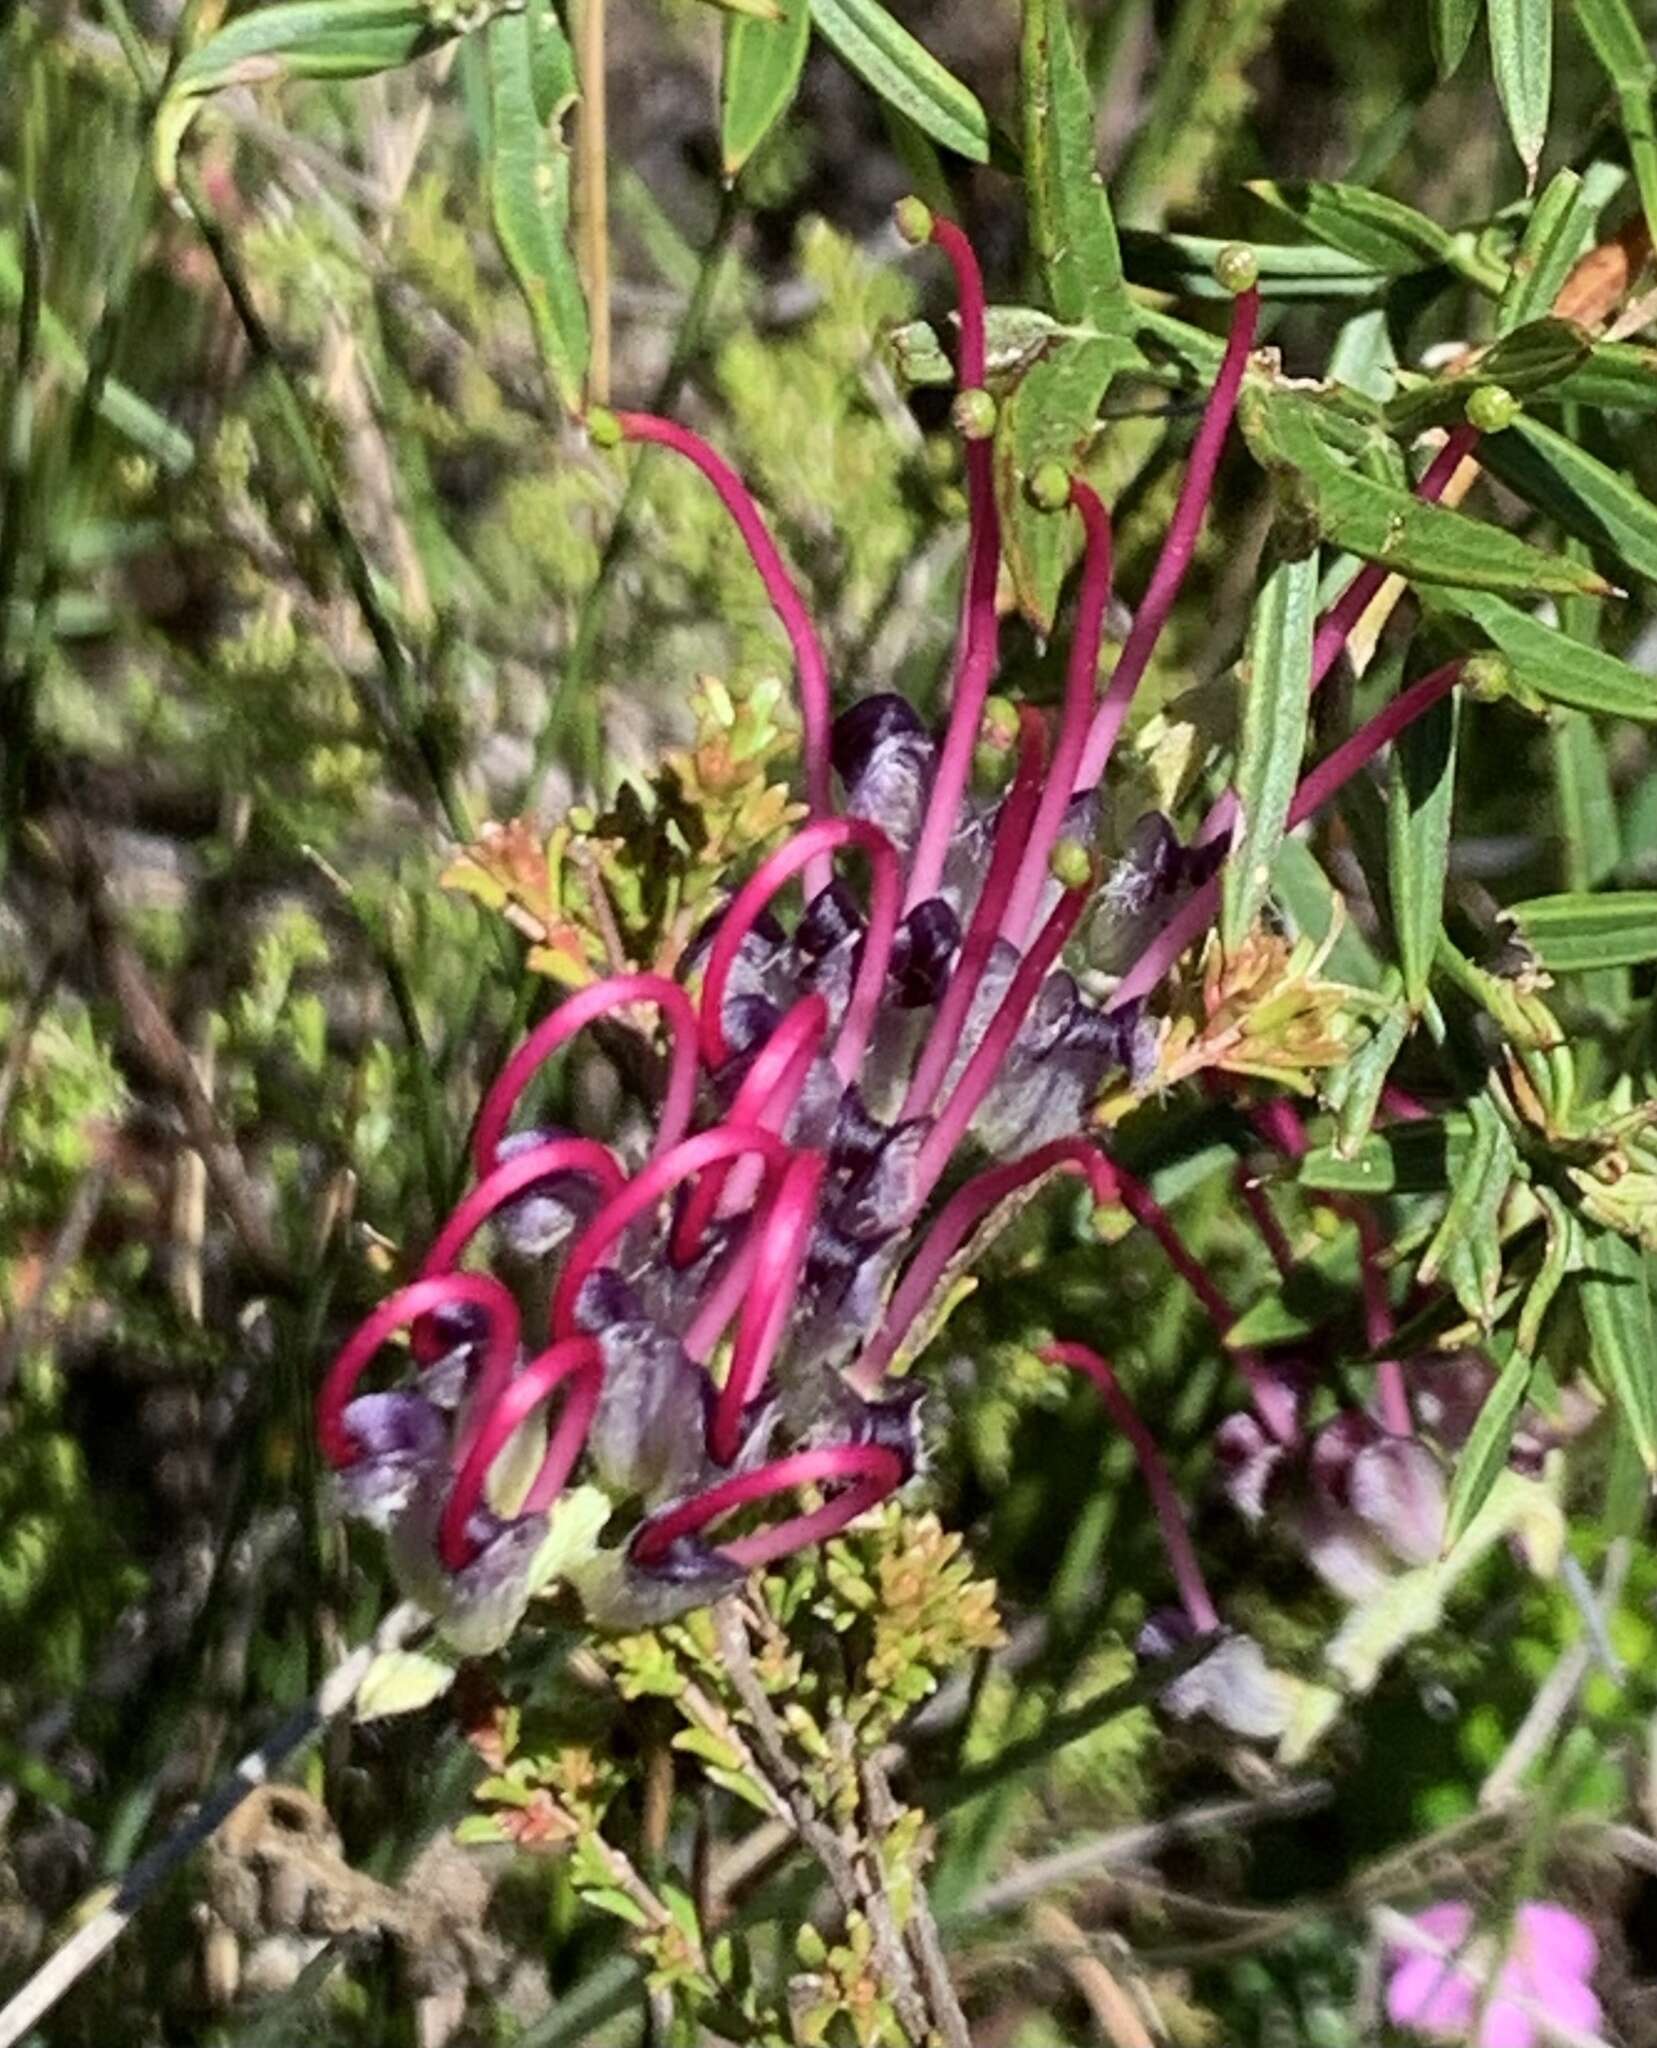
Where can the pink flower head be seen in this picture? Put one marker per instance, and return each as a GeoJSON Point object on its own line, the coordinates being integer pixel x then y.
{"type": "Point", "coordinates": [1542, 1979]}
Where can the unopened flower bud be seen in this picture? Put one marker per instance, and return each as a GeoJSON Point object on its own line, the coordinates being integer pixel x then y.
{"type": "Point", "coordinates": [1237, 268]}
{"type": "Point", "coordinates": [1048, 488]}
{"type": "Point", "coordinates": [1071, 863]}
{"type": "Point", "coordinates": [1491, 408]}
{"type": "Point", "coordinates": [973, 414]}
{"type": "Point", "coordinates": [914, 220]}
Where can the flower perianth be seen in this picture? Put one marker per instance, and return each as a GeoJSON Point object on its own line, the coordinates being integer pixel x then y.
{"type": "Point", "coordinates": [586, 1006]}
{"type": "Point", "coordinates": [868, 1472]}
{"type": "Point", "coordinates": [1081, 682]}
{"type": "Point", "coordinates": [810, 663]}
{"type": "Point", "coordinates": [1176, 1538]}
{"type": "Point", "coordinates": [1179, 545]}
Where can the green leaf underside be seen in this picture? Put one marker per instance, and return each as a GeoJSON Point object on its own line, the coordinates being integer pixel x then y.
{"type": "Point", "coordinates": [1551, 664]}
{"type": "Point", "coordinates": [1382, 234]}
{"type": "Point", "coordinates": [1422, 779]}
{"type": "Point", "coordinates": [1276, 681]}
{"type": "Point", "coordinates": [1575, 933]}
{"type": "Point", "coordinates": [760, 76]}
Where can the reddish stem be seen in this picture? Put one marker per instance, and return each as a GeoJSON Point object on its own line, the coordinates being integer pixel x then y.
{"type": "Point", "coordinates": [868, 1471]}
{"type": "Point", "coordinates": [1080, 690]}
{"type": "Point", "coordinates": [980, 629]}
{"type": "Point", "coordinates": [575, 1014]}
{"type": "Point", "coordinates": [643, 1192]}
{"type": "Point", "coordinates": [769, 1091]}
{"type": "Point", "coordinates": [511, 1177]}
{"type": "Point", "coordinates": [1179, 545]}
{"type": "Point", "coordinates": [811, 666]}
{"type": "Point", "coordinates": [576, 1361]}
{"type": "Point", "coordinates": [1011, 830]}
{"type": "Point", "coordinates": [981, 1070]}
{"type": "Point", "coordinates": [1316, 788]}
{"type": "Point", "coordinates": [396, 1312]}
{"type": "Point", "coordinates": [783, 1241]}
{"type": "Point", "coordinates": [1176, 1538]}
{"type": "Point", "coordinates": [811, 843]}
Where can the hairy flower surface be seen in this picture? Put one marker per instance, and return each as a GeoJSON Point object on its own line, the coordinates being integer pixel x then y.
{"type": "Point", "coordinates": [712, 1325]}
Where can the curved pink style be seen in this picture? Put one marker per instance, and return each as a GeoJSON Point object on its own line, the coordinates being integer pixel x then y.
{"type": "Point", "coordinates": [784, 1237]}
{"type": "Point", "coordinates": [981, 1070]}
{"type": "Point", "coordinates": [574, 1014]}
{"type": "Point", "coordinates": [810, 663]}
{"type": "Point", "coordinates": [1179, 545]}
{"type": "Point", "coordinates": [979, 642]}
{"type": "Point", "coordinates": [769, 1091]}
{"type": "Point", "coordinates": [576, 1361]}
{"type": "Point", "coordinates": [827, 835]}
{"type": "Point", "coordinates": [644, 1191]}
{"type": "Point", "coordinates": [1012, 828]}
{"type": "Point", "coordinates": [1176, 1538]}
{"type": "Point", "coordinates": [511, 1177]}
{"type": "Point", "coordinates": [867, 1471]}
{"type": "Point", "coordinates": [957, 1220]}
{"type": "Point", "coordinates": [396, 1312]}
{"type": "Point", "coordinates": [1080, 689]}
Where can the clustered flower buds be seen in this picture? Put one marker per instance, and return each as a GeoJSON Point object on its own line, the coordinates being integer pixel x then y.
{"type": "Point", "coordinates": [706, 1332]}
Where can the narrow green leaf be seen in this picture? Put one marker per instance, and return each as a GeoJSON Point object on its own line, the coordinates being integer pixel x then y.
{"type": "Point", "coordinates": [1070, 217]}
{"type": "Point", "coordinates": [1484, 1455]}
{"type": "Point", "coordinates": [1571, 934]}
{"type": "Point", "coordinates": [759, 78]}
{"type": "Point", "coordinates": [1276, 678]}
{"type": "Point", "coordinates": [1427, 543]}
{"type": "Point", "coordinates": [1354, 1089]}
{"type": "Point", "coordinates": [1549, 664]}
{"type": "Point", "coordinates": [1451, 24]}
{"type": "Point", "coordinates": [889, 60]}
{"type": "Point", "coordinates": [1049, 416]}
{"type": "Point", "coordinates": [1380, 233]}
{"type": "Point", "coordinates": [1621, 48]}
{"type": "Point", "coordinates": [1622, 1343]}
{"type": "Point", "coordinates": [529, 197]}
{"type": "Point", "coordinates": [1619, 376]}
{"type": "Point", "coordinates": [1588, 498]}
{"type": "Point", "coordinates": [1288, 270]}
{"type": "Point", "coordinates": [1590, 835]}
{"type": "Point", "coordinates": [1319, 1291]}
{"type": "Point", "coordinates": [1554, 237]}
{"type": "Point", "coordinates": [1420, 800]}
{"type": "Point", "coordinates": [298, 39]}
{"type": "Point", "coordinates": [1528, 362]}
{"type": "Point", "coordinates": [1464, 1245]}
{"type": "Point", "coordinates": [1406, 1159]}
{"type": "Point", "coordinates": [1521, 53]}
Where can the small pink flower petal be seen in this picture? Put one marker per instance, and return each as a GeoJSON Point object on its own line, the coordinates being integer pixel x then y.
{"type": "Point", "coordinates": [1450, 1921]}
{"type": "Point", "coordinates": [1432, 1996]}
{"type": "Point", "coordinates": [1565, 1999]}
{"type": "Point", "coordinates": [1506, 2026]}
{"type": "Point", "coordinates": [1553, 1938]}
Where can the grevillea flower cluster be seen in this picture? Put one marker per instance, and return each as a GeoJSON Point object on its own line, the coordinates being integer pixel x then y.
{"type": "Point", "coordinates": [708, 1332]}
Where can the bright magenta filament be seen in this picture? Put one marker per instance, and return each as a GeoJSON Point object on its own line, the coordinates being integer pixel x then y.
{"type": "Point", "coordinates": [573, 1015]}
{"type": "Point", "coordinates": [420, 1298]}
{"type": "Point", "coordinates": [867, 1471]}
{"type": "Point", "coordinates": [538, 1162]}
{"type": "Point", "coordinates": [576, 1362]}
{"type": "Point", "coordinates": [784, 1239]}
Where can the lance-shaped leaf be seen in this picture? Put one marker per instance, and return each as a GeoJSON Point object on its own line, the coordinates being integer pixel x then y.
{"type": "Point", "coordinates": [1380, 233]}
{"type": "Point", "coordinates": [1048, 417]}
{"type": "Point", "coordinates": [1421, 1158]}
{"type": "Point", "coordinates": [298, 39]}
{"type": "Point", "coordinates": [1450, 24]}
{"type": "Point", "coordinates": [1070, 217]}
{"type": "Point", "coordinates": [1622, 1342]}
{"type": "Point", "coordinates": [1288, 270]}
{"type": "Point", "coordinates": [1353, 1091]}
{"type": "Point", "coordinates": [759, 78]}
{"type": "Point", "coordinates": [1585, 495]}
{"type": "Point", "coordinates": [1521, 54]}
{"type": "Point", "coordinates": [1427, 543]}
{"type": "Point", "coordinates": [1572, 934]}
{"type": "Point", "coordinates": [1276, 678]}
{"type": "Point", "coordinates": [1619, 376]}
{"type": "Point", "coordinates": [1529, 362]}
{"type": "Point", "coordinates": [1420, 800]}
{"type": "Point", "coordinates": [1555, 235]}
{"type": "Point", "coordinates": [1549, 664]}
{"type": "Point", "coordinates": [529, 187]}
{"type": "Point", "coordinates": [888, 59]}
{"type": "Point", "coordinates": [1622, 50]}
{"type": "Point", "coordinates": [1467, 1244]}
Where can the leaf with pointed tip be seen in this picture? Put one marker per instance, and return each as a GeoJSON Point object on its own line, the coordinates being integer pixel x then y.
{"type": "Point", "coordinates": [1420, 802]}
{"type": "Point", "coordinates": [1622, 1342]}
{"type": "Point", "coordinates": [1556, 234]}
{"type": "Point", "coordinates": [1547, 663]}
{"type": "Point", "coordinates": [1070, 217]}
{"type": "Point", "coordinates": [1276, 678]}
{"type": "Point", "coordinates": [1521, 54]}
{"type": "Point", "coordinates": [759, 78]}
{"type": "Point", "coordinates": [895, 66]}
{"type": "Point", "coordinates": [1574, 933]}
{"type": "Point", "coordinates": [1451, 24]}
{"type": "Point", "coordinates": [1530, 362]}
{"type": "Point", "coordinates": [1048, 417]}
{"type": "Point", "coordinates": [1619, 376]}
{"type": "Point", "coordinates": [1586, 496]}
{"type": "Point", "coordinates": [1382, 234]}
